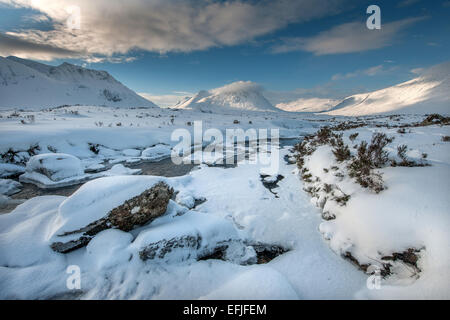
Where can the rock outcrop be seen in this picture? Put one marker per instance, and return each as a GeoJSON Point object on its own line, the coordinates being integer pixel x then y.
{"type": "Point", "coordinates": [136, 211]}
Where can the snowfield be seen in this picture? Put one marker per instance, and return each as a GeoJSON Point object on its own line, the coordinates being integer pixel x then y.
{"type": "Point", "coordinates": [349, 207]}
{"type": "Point", "coordinates": [240, 206]}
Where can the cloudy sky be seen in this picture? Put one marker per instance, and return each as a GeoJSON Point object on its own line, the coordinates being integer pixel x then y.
{"type": "Point", "coordinates": [167, 49]}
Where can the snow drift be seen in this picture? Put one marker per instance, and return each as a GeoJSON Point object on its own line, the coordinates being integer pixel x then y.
{"type": "Point", "coordinates": [31, 85]}
{"type": "Point", "coordinates": [240, 95]}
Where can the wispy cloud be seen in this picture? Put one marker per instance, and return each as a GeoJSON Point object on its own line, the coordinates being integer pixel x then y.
{"type": "Point", "coordinates": [407, 3]}
{"type": "Point", "coordinates": [418, 71]}
{"type": "Point", "coordinates": [372, 71]}
{"type": "Point", "coordinates": [10, 45]}
{"type": "Point", "coordinates": [114, 27]}
{"type": "Point", "coordinates": [347, 38]}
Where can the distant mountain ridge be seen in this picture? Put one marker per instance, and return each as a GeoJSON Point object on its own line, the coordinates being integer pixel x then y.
{"type": "Point", "coordinates": [28, 84]}
{"type": "Point", "coordinates": [426, 94]}
{"type": "Point", "coordinates": [308, 105]}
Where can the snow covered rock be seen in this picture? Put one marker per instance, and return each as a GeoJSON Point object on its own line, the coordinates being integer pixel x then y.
{"type": "Point", "coordinates": [120, 169]}
{"type": "Point", "coordinates": [136, 211]}
{"type": "Point", "coordinates": [9, 187]}
{"type": "Point", "coordinates": [131, 152]}
{"type": "Point", "coordinates": [8, 170]}
{"type": "Point", "coordinates": [108, 248]}
{"type": "Point", "coordinates": [147, 206]}
{"type": "Point", "coordinates": [192, 236]}
{"type": "Point", "coordinates": [156, 152]}
{"type": "Point", "coordinates": [52, 167]}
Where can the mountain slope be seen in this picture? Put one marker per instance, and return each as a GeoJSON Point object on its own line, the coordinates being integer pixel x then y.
{"type": "Point", "coordinates": [237, 96]}
{"type": "Point", "coordinates": [31, 85]}
{"type": "Point", "coordinates": [428, 93]}
{"type": "Point", "coordinates": [308, 105]}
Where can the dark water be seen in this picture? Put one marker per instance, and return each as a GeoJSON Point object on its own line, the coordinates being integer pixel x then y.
{"type": "Point", "coordinates": [165, 168]}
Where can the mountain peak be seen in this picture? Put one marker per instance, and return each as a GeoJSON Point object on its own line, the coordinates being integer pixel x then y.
{"type": "Point", "coordinates": [32, 85]}
{"type": "Point", "coordinates": [237, 96]}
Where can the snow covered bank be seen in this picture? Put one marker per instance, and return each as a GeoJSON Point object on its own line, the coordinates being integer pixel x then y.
{"type": "Point", "coordinates": [391, 221]}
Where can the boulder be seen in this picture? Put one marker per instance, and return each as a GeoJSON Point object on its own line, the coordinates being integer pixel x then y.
{"type": "Point", "coordinates": [147, 206]}
{"type": "Point", "coordinates": [9, 187]}
{"type": "Point", "coordinates": [136, 211]}
{"type": "Point", "coordinates": [55, 166]}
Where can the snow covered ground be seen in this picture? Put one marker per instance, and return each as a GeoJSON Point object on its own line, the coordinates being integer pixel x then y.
{"type": "Point", "coordinates": [242, 206]}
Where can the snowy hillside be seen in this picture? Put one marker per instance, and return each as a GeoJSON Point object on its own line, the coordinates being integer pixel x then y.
{"type": "Point", "coordinates": [241, 95]}
{"type": "Point", "coordinates": [426, 94]}
{"type": "Point", "coordinates": [31, 85]}
{"type": "Point", "coordinates": [308, 105]}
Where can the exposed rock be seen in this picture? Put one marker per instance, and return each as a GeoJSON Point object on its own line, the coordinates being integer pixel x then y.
{"type": "Point", "coordinates": [160, 249]}
{"type": "Point", "coordinates": [326, 215]}
{"type": "Point", "coordinates": [65, 247]}
{"type": "Point", "coordinates": [137, 211]}
{"type": "Point", "coordinates": [147, 206]}
{"type": "Point", "coordinates": [290, 159]}
{"type": "Point", "coordinates": [267, 252]}
{"type": "Point", "coordinates": [409, 257]}
{"type": "Point", "coordinates": [271, 182]}
{"type": "Point", "coordinates": [9, 187]}
{"type": "Point", "coordinates": [190, 247]}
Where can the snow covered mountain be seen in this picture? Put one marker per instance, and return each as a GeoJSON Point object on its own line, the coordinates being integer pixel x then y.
{"type": "Point", "coordinates": [31, 85]}
{"type": "Point", "coordinates": [428, 93]}
{"type": "Point", "coordinates": [237, 96]}
{"type": "Point", "coordinates": [308, 105]}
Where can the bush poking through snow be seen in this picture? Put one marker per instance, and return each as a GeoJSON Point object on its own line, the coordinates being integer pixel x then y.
{"type": "Point", "coordinates": [435, 119]}
{"type": "Point", "coordinates": [446, 138]}
{"type": "Point", "coordinates": [353, 136]}
{"type": "Point", "coordinates": [405, 162]}
{"type": "Point", "coordinates": [94, 147]}
{"type": "Point", "coordinates": [323, 135]}
{"type": "Point", "coordinates": [341, 150]}
{"type": "Point", "coordinates": [10, 156]}
{"type": "Point", "coordinates": [401, 152]}
{"type": "Point", "coordinates": [368, 158]}
{"type": "Point", "coordinates": [376, 150]}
